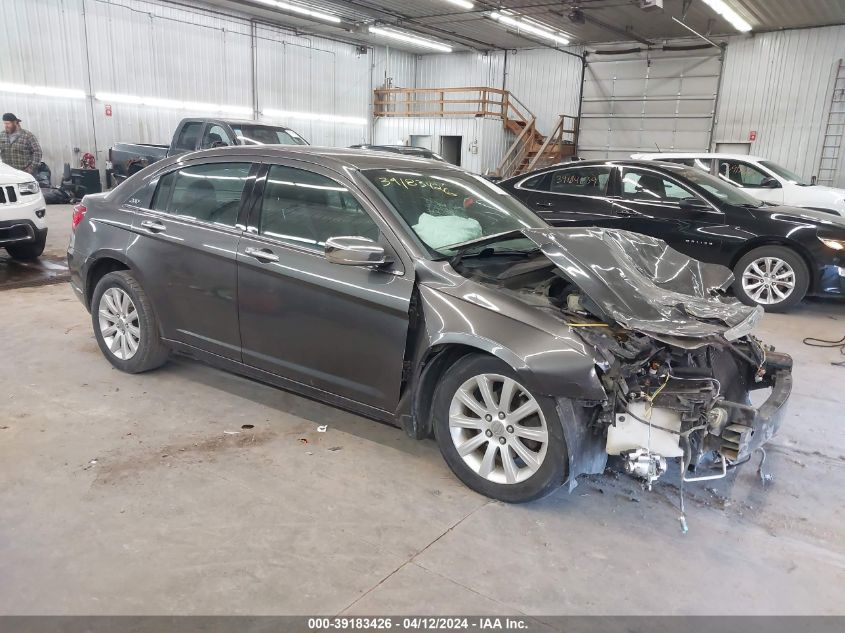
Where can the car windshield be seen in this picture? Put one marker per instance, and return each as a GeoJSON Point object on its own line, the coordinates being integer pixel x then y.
{"type": "Point", "coordinates": [449, 210]}
{"type": "Point", "coordinates": [784, 173]}
{"type": "Point", "coordinates": [267, 135]}
{"type": "Point", "coordinates": [724, 191]}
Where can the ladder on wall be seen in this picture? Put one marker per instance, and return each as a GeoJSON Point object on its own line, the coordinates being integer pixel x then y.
{"type": "Point", "coordinates": [832, 144]}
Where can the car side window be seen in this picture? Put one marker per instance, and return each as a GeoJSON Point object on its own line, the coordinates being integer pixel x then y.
{"type": "Point", "coordinates": [741, 174]}
{"type": "Point", "coordinates": [537, 183]}
{"type": "Point", "coordinates": [208, 193]}
{"type": "Point", "coordinates": [188, 136]}
{"type": "Point", "coordinates": [647, 186]}
{"type": "Point", "coordinates": [306, 209]}
{"type": "Point", "coordinates": [215, 136]}
{"type": "Point", "coordinates": [584, 181]}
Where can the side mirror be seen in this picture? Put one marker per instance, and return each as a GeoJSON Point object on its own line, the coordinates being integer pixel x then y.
{"type": "Point", "coordinates": [770, 183]}
{"type": "Point", "coordinates": [694, 204]}
{"type": "Point", "coordinates": [355, 251]}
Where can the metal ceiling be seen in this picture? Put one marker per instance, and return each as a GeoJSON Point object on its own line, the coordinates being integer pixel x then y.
{"type": "Point", "coordinates": [605, 20]}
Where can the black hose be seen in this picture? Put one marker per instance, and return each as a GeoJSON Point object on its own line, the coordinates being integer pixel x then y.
{"type": "Point", "coordinates": [820, 342]}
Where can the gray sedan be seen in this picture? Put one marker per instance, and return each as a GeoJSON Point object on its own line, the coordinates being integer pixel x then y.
{"type": "Point", "coordinates": [421, 295]}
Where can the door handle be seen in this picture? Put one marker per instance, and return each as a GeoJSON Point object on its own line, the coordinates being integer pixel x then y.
{"type": "Point", "coordinates": [153, 226]}
{"type": "Point", "coordinates": [261, 254]}
{"type": "Point", "coordinates": [626, 213]}
{"type": "Point", "coordinates": [544, 204]}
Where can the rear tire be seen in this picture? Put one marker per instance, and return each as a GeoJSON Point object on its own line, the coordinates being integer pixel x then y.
{"type": "Point", "coordinates": [774, 277]}
{"type": "Point", "coordinates": [518, 453]}
{"type": "Point", "coordinates": [125, 324]}
{"type": "Point", "coordinates": [31, 250]}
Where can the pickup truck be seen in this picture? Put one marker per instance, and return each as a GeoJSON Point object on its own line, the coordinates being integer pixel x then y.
{"type": "Point", "coordinates": [126, 159]}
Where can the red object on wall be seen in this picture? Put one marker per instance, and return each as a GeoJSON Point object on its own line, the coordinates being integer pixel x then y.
{"type": "Point", "coordinates": [752, 135]}
{"type": "Point", "coordinates": [108, 110]}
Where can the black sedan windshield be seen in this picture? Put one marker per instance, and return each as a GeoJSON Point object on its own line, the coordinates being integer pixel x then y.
{"type": "Point", "coordinates": [448, 210]}
{"type": "Point", "coordinates": [725, 192]}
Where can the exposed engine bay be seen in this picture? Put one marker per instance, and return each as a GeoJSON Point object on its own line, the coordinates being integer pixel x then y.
{"type": "Point", "coordinates": [673, 393]}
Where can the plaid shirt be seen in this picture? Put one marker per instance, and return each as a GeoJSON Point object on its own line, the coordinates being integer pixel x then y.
{"type": "Point", "coordinates": [24, 152]}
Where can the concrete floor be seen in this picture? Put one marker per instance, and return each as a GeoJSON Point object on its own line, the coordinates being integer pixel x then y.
{"type": "Point", "coordinates": [145, 495]}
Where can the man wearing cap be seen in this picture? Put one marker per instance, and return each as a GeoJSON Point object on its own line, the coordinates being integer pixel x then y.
{"type": "Point", "coordinates": [18, 147]}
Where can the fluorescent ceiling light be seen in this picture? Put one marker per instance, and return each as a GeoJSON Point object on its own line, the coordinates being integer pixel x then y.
{"type": "Point", "coordinates": [313, 116]}
{"type": "Point", "coordinates": [464, 4]}
{"type": "Point", "coordinates": [410, 39]}
{"type": "Point", "coordinates": [296, 8]}
{"type": "Point", "coordinates": [729, 14]}
{"type": "Point", "coordinates": [67, 93]}
{"type": "Point", "coordinates": [173, 104]}
{"type": "Point", "coordinates": [530, 26]}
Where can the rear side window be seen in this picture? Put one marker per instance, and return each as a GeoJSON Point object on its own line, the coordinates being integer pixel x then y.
{"type": "Point", "coordinates": [188, 136]}
{"type": "Point", "coordinates": [307, 209]}
{"type": "Point", "coordinates": [585, 181]}
{"type": "Point", "coordinates": [741, 174]}
{"type": "Point", "coordinates": [537, 183]}
{"type": "Point", "coordinates": [208, 193]}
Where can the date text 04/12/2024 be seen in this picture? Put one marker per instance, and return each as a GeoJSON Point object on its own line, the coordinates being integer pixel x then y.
{"type": "Point", "coordinates": [425, 623]}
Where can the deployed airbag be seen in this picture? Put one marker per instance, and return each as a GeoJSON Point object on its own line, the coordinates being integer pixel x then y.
{"type": "Point", "coordinates": [438, 231]}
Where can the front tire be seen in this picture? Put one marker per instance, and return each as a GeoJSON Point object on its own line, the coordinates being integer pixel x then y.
{"type": "Point", "coordinates": [495, 435]}
{"type": "Point", "coordinates": [31, 250]}
{"type": "Point", "coordinates": [774, 277]}
{"type": "Point", "coordinates": [125, 324]}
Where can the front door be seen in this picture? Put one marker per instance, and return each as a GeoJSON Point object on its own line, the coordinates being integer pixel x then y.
{"type": "Point", "coordinates": [649, 203]}
{"type": "Point", "coordinates": [572, 196]}
{"type": "Point", "coordinates": [340, 329]}
{"type": "Point", "coordinates": [187, 249]}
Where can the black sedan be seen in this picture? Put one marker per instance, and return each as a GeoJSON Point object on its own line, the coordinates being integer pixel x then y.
{"type": "Point", "coordinates": [778, 254]}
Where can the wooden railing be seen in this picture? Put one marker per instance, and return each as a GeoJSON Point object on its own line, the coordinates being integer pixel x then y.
{"type": "Point", "coordinates": [529, 150]}
{"type": "Point", "coordinates": [449, 102]}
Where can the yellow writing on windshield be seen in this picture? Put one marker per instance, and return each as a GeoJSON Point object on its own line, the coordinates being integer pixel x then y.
{"type": "Point", "coordinates": [410, 183]}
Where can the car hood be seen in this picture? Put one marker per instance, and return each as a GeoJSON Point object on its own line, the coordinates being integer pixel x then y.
{"type": "Point", "coordinates": [800, 215]}
{"type": "Point", "coordinates": [12, 176]}
{"type": "Point", "coordinates": [644, 285]}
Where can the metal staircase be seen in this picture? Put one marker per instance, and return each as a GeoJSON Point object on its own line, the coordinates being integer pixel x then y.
{"type": "Point", "coordinates": [831, 154]}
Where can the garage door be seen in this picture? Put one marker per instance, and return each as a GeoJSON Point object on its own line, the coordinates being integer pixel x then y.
{"type": "Point", "coordinates": [640, 101]}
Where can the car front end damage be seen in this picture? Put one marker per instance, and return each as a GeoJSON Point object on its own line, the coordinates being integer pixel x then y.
{"type": "Point", "coordinates": [674, 355]}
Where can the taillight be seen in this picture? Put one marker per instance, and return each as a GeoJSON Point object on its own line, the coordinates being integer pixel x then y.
{"type": "Point", "coordinates": [78, 213]}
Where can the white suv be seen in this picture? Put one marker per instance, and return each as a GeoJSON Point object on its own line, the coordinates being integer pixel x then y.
{"type": "Point", "coordinates": [23, 229]}
{"type": "Point", "coordinates": [763, 179]}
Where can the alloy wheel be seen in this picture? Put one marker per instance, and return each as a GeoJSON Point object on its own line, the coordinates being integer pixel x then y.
{"type": "Point", "coordinates": [498, 428]}
{"type": "Point", "coordinates": [768, 280]}
{"type": "Point", "coordinates": [119, 324]}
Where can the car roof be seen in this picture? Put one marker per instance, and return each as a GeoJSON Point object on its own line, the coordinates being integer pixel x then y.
{"type": "Point", "coordinates": [334, 157]}
{"type": "Point", "coordinates": [630, 162]}
{"type": "Point", "coordinates": [670, 155]}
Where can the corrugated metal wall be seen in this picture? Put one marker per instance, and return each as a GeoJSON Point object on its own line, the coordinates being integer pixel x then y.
{"type": "Point", "coordinates": [778, 84]}
{"type": "Point", "coordinates": [148, 48]}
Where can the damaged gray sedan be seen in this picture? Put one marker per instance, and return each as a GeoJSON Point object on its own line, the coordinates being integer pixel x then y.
{"type": "Point", "coordinates": [418, 294]}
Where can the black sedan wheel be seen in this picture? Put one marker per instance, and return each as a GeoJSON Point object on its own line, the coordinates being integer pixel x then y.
{"type": "Point", "coordinates": [496, 436]}
{"type": "Point", "coordinates": [774, 277]}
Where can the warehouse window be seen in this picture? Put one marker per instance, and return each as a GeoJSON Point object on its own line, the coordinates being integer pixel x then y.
{"type": "Point", "coordinates": [209, 193]}
{"type": "Point", "coordinates": [583, 181]}
{"type": "Point", "coordinates": [307, 209]}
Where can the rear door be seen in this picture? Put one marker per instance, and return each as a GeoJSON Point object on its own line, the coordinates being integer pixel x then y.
{"type": "Point", "coordinates": [339, 329]}
{"type": "Point", "coordinates": [186, 247]}
{"type": "Point", "coordinates": [572, 196]}
{"type": "Point", "coordinates": [648, 202]}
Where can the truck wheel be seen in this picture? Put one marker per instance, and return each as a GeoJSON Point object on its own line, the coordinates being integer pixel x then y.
{"type": "Point", "coordinates": [497, 437]}
{"type": "Point", "coordinates": [774, 277]}
{"type": "Point", "coordinates": [31, 250]}
{"type": "Point", "coordinates": [125, 324]}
